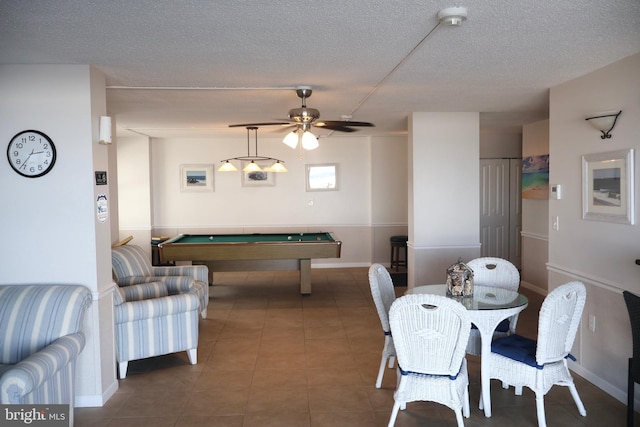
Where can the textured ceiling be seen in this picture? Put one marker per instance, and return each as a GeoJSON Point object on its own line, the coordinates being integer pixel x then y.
{"type": "Point", "coordinates": [201, 65]}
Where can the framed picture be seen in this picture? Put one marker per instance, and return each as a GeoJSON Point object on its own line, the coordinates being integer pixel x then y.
{"type": "Point", "coordinates": [322, 177]}
{"type": "Point", "coordinates": [196, 177]}
{"type": "Point", "coordinates": [261, 178]}
{"type": "Point", "coordinates": [607, 187]}
{"type": "Point", "coordinates": [535, 177]}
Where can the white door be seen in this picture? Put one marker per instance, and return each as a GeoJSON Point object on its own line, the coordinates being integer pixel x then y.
{"type": "Point", "coordinates": [500, 209]}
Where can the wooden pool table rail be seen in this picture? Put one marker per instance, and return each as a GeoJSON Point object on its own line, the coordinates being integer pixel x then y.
{"type": "Point", "coordinates": [253, 256]}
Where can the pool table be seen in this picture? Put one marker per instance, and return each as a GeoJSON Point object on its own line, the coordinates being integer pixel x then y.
{"type": "Point", "coordinates": [253, 252]}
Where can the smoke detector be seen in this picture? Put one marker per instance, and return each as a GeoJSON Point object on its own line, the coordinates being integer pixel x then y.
{"type": "Point", "coordinates": [452, 16]}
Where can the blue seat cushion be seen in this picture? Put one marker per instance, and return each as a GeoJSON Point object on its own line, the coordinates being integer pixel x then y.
{"type": "Point", "coordinates": [425, 374]}
{"type": "Point", "coordinates": [518, 348]}
{"type": "Point", "coordinates": [502, 326]}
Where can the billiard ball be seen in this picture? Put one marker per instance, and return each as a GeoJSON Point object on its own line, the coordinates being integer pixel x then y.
{"type": "Point", "coordinates": [289, 238]}
{"type": "Point", "coordinates": [210, 237]}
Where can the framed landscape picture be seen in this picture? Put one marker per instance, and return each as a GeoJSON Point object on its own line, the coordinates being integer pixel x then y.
{"type": "Point", "coordinates": [262, 178]}
{"type": "Point", "coordinates": [196, 178]}
{"type": "Point", "coordinates": [607, 187]}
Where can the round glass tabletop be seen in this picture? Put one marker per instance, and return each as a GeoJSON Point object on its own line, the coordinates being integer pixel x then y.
{"type": "Point", "coordinates": [483, 298]}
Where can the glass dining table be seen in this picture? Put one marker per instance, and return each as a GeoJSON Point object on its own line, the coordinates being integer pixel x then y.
{"type": "Point", "coordinates": [487, 307]}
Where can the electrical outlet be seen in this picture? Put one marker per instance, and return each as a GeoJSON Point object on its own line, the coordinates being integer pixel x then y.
{"type": "Point", "coordinates": [556, 223]}
{"type": "Point", "coordinates": [592, 323]}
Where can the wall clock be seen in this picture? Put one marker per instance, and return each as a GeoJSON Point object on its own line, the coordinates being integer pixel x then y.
{"type": "Point", "coordinates": [31, 153]}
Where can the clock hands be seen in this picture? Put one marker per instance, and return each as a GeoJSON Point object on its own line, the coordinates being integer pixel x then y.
{"type": "Point", "coordinates": [26, 161]}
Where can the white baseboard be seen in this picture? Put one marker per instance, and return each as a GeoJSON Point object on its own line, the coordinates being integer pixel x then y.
{"type": "Point", "coordinates": [534, 288]}
{"type": "Point", "coordinates": [605, 386]}
{"type": "Point", "coordinates": [342, 265]}
{"type": "Point", "coordinates": [96, 401]}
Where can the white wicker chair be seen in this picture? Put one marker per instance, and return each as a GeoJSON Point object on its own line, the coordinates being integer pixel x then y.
{"type": "Point", "coordinates": [499, 273]}
{"type": "Point", "coordinates": [523, 362]}
{"type": "Point", "coordinates": [430, 333]}
{"type": "Point", "coordinates": [383, 296]}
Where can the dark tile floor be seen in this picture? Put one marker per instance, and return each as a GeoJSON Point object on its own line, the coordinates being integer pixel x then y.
{"type": "Point", "coordinates": [270, 357]}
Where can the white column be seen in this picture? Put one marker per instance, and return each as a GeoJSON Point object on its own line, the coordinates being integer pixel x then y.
{"type": "Point", "coordinates": [52, 220]}
{"type": "Point", "coordinates": [443, 193]}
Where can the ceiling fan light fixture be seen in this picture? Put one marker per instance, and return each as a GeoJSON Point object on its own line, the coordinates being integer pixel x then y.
{"type": "Point", "coordinates": [309, 141]}
{"type": "Point", "coordinates": [291, 139]}
{"type": "Point", "coordinates": [252, 167]}
{"type": "Point", "coordinates": [303, 119]}
{"type": "Point", "coordinates": [227, 166]}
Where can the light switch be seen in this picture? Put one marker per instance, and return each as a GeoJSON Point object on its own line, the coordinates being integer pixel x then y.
{"type": "Point", "coordinates": [556, 191]}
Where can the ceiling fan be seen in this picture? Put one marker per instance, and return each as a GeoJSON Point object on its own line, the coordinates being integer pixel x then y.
{"type": "Point", "coordinates": [303, 119]}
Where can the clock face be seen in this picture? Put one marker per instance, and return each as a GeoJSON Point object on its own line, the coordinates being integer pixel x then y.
{"type": "Point", "coordinates": [31, 153]}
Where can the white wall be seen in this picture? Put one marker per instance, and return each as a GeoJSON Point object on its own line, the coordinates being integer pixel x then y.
{"type": "Point", "coordinates": [601, 254]}
{"type": "Point", "coordinates": [535, 215]}
{"type": "Point", "coordinates": [497, 144]}
{"type": "Point", "coordinates": [285, 204]}
{"type": "Point", "coordinates": [55, 209]}
{"type": "Point", "coordinates": [389, 192]}
{"type": "Point", "coordinates": [134, 189]}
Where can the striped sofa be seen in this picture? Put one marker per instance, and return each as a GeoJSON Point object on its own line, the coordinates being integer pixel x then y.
{"type": "Point", "coordinates": [40, 339]}
{"type": "Point", "coordinates": [150, 322]}
{"type": "Point", "coordinates": [131, 266]}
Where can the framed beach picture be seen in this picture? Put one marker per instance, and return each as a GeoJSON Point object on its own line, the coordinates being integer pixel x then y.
{"type": "Point", "coordinates": [262, 178]}
{"type": "Point", "coordinates": [535, 177]}
{"type": "Point", "coordinates": [607, 187]}
{"type": "Point", "coordinates": [196, 178]}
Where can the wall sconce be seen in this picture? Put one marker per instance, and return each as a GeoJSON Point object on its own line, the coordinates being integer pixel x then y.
{"type": "Point", "coordinates": [105, 130]}
{"type": "Point", "coordinates": [604, 122]}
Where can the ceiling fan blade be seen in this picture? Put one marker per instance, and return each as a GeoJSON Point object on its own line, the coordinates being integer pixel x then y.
{"type": "Point", "coordinates": [336, 128]}
{"type": "Point", "coordinates": [327, 123]}
{"type": "Point", "coordinates": [244, 125]}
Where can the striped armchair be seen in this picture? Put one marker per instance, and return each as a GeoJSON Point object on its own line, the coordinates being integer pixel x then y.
{"type": "Point", "coordinates": [131, 266]}
{"type": "Point", "coordinates": [40, 340]}
{"type": "Point", "coordinates": [150, 322]}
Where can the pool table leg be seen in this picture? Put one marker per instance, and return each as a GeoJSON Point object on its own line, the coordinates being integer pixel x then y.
{"type": "Point", "coordinates": [305, 276]}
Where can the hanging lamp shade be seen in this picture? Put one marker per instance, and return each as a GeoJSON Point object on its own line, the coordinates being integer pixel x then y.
{"type": "Point", "coordinates": [227, 166]}
{"type": "Point", "coordinates": [309, 141]}
{"type": "Point", "coordinates": [277, 167]}
{"type": "Point", "coordinates": [291, 139]}
{"type": "Point", "coordinates": [252, 167]}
